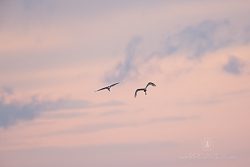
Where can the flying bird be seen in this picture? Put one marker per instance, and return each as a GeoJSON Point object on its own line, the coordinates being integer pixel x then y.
{"type": "Point", "coordinates": [108, 87]}
{"type": "Point", "coordinates": [150, 83]}
{"type": "Point", "coordinates": [144, 89]}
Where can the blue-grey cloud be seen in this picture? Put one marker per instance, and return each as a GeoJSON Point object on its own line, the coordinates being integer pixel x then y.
{"type": "Point", "coordinates": [126, 67]}
{"type": "Point", "coordinates": [195, 41]}
{"type": "Point", "coordinates": [233, 66]}
{"type": "Point", "coordinates": [14, 112]}
{"type": "Point", "coordinates": [199, 39]}
{"type": "Point", "coordinates": [205, 37]}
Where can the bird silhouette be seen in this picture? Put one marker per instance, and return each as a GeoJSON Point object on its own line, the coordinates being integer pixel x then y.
{"type": "Point", "coordinates": [108, 87]}
{"type": "Point", "coordinates": [144, 89]}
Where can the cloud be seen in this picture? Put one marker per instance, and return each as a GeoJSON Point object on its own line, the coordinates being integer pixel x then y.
{"type": "Point", "coordinates": [136, 146]}
{"type": "Point", "coordinates": [233, 66]}
{"type": "Point", "coordinates": [195, 41]}
{"type": "Point", "coordinates": [5, 91]}
{"type": "Point", "coordinates": [113, 112]}
{"type": "Point", "coordinates": [109, 103]}
{"type": "Point", "coordinates": [126, 68]}
{"type": "Point", "coordinates": [199, 39]}
{"type": "Point", "coordinates": [14, 112]}
{"type": "Point", "coordinates": [207, 36]}
{"type": "Point", "coordinates": [98, 127]}
{"type": "Point", "coordinates": [48, 8]}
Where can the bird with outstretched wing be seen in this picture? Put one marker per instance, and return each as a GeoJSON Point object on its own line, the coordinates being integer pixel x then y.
{"type": "Point", "coordinates": [150, 83]}
{"type": "Point", "coordinates": [108, 87]}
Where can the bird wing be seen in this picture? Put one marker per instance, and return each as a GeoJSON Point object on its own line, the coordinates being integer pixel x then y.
{"type": "Point", "coordinates": [137, 90]}
{"type": "Point", "coordinates": [101, 89]}
{"type": "Point", "coordinates": [114, 84]}
{"type": "Point", "coordinates": [150, 83]}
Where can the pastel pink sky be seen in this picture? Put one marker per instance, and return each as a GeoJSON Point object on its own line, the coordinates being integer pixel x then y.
{"type": "Point", "coordinates": [55, 54]}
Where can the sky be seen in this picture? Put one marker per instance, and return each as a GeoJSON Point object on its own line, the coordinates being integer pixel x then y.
{"type": "Point", "coordinates": [54, 54]}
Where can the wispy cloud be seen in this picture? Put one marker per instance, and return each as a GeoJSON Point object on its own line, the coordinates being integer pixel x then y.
{"type": "Point", "coordinates": [29, 10]}
{"type": "Point", "coordinates": [233, 66]}
{"type": "Point", "coordinates": [93, 128]}
{"type": "Point", "coordinates": [214, 99]}
{"type": "Point", "coordinates": [14, 112]}
{"type": "Point", "coordinates": [108, 103]}
{"type": "Point", "coordinates": [199, 39]}
{"type": "Point", "coordinates": [127, 67]}
{"type": "Point", "coordinates": [113, 112]}
{"type": "Point", "coordinates": [171, 119]}
{"type": "Point", "coordinates": [207, 36]}
{"type": "Point", "coordinates": [195, 41]}
{"type": "Point", "coordinates": [136, 146]}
